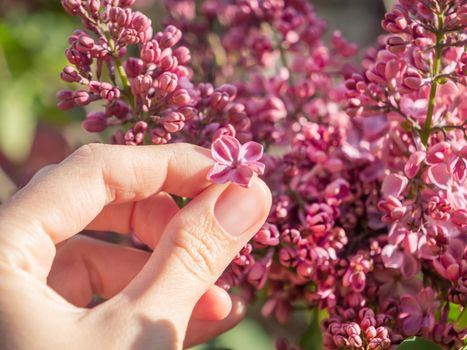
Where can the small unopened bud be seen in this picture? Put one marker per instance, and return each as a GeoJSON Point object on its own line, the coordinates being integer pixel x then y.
{"type": "Point", "coordinates": [173, 121]}
{"type": "Point", "coordinates": [133, 67]}
{"type": "Point", "coordinates": [167, 82]}
{"type": "Point", "coordinates": [70, 75]}
{"type": "Point", "coordinates": [95, 122]}
{"type": "Point", "coordinates": [170, 37]}
{"type": "Point", "coordinates": [181, 97]}
{"type": "Point", "coordinates": [81, 97]}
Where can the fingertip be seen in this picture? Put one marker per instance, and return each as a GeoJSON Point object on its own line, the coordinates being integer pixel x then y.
{"type": "Point", "coordinates": [215, 305]}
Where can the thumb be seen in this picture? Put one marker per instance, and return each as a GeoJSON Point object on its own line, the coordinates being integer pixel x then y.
{"type": "Point", "coordinates": [198, 244]}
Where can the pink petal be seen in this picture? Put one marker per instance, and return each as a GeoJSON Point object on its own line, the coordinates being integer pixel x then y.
{"type": "Point", "coordinates": [410, 306]}
{"type": "Point", "coordinates": [439, 175]}
{"type": "Point", "coordinates": [438, 153]}
{"type": "Point", "coordinates": [242, 175]}
{"type": "Point", "coordinates": [226, 150]}
{"type": "Point", "coordinates": [394, 185]}
{"type": "Point", "coordinates": [257, 167]}
{"type": "Point", "coordinates": [425, 298]}
{"type": "Point", "coordinates": [392, 256]}
{"type": "Point", "coordinates": [220, 174]}
{"type": "Point", "coordinates": [410, 266]}
{"type": "Point", "coordinates": [411, 242]}
{"type": "Point", "coordinates": [252, 151]}
{"type": "Point", "coordinates": [411, 325]}
{"type": "Point", "coordinates": [413, 164]}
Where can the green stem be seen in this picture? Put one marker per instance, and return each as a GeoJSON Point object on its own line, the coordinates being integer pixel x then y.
{"type": "Point", "coordinates": [425, 133]}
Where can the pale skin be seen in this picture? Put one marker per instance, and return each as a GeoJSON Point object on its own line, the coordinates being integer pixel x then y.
{"type": "Point", "coordinates": [166, 299]}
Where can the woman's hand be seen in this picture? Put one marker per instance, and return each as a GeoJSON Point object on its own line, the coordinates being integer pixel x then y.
{"type": "Point", "coordinates": [163, 300]}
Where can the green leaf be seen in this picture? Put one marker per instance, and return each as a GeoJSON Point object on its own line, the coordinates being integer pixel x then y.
{"type": "Point", "coordinates": [313, 337]}
{"type": "Point", "coordinates": [418, 343]}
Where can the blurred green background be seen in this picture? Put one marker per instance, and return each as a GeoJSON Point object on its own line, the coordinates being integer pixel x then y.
{"type": "Point", "coordinates": [34, 133]}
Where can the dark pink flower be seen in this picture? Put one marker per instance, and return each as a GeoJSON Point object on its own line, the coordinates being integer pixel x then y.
{"type": "Point", "coordinates": [235, 162]}
{"type": "Point", "coordinates": [416, 313]}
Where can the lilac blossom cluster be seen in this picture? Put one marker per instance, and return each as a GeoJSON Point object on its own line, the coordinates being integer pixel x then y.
{"type": "Point", "coordinates": [367, 165]}
{"type": "Point", "coordinates": [148, 98]}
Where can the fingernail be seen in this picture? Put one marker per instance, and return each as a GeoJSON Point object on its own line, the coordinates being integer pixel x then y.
{"type": "Point", "coordinates": [238, 208]}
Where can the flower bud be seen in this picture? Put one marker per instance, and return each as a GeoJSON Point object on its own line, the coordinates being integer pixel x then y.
{"type": "Point", "coordinates": [133, 67]}
{"type": "Point", "coordinates": [160, 136]}
{"type": "Point", "coordinates": [141, 84]}
{"type": "Point", "coordinates": [150, 51]}
{"type": "Point", "coordinates": [396, 44]}
{"type": "Point", "coordinates": [70, 75]}
{"type": "Point", "coordinates": [173, 121]}
{"type": "Point", "coordinates": [170, 37]}
{"type": "Point", "coordinates": [81, 97]}
{"type": "Point", "coordinates": [71, 6]}
{"type": "Point", "coordinates": [140, 22]}
{"type": "Point", "coordinates": [95, 122]}
{"type": "Point", "coordinates": [181, 97]}
{"type": "Point", "coordinates": [167, 82]}
{"type": "Point", "coordinates": [65, 99]}
{"type": "Point", "coordinates": [182, 54]}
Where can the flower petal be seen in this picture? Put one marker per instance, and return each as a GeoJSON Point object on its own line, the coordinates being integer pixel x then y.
{"type": "Point", "coordinates": [252, 151]}
{"type": "Point", "coordinates": [220, 174]}
{"type": "Point", "coordinates": [226, 150]}
{"type": "Point", "coordinates": [439, 175]}
{"type": "Point", "coordinates": [394, 185]}
{"type": "Point", "coordinates": [242, 175]}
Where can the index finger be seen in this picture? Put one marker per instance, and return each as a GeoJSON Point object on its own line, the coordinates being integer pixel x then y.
{"type": "Point", "coordinates": [60, 204]}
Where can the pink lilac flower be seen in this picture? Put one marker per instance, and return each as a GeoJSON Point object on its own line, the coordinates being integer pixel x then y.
{"type": "Point", "coordinates": [235, 162]}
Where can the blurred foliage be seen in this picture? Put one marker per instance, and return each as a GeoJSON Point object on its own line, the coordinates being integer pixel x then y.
{"type": "Point", "coordinates": [31, 57]}
{"type": "Point", "coordinates": [247, 335]}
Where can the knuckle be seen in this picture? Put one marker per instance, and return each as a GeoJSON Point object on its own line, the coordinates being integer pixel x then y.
{"type": "Point", "coordinates": [88, 152]}
{"type": "Point", "coordinates": [199, 248]}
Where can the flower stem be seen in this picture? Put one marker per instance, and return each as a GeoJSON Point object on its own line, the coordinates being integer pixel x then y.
{"type": "Point", "coordinates": [425, 133]}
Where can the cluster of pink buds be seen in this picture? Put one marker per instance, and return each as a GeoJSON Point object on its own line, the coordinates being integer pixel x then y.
{"type": "Point", "coordinates": [150, 95]}
{"type": "Point", "coordinates": [367, 334]}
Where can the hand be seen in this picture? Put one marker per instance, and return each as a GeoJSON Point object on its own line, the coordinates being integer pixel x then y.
{"type": "Point", "coordinates": [163, 300]}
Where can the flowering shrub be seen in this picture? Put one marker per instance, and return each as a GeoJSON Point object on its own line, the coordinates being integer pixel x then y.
{"type": "Point", "coordinates": [367, 164]}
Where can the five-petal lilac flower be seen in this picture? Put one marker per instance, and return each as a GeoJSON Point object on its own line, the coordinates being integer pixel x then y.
{"type": "Point", "coordinates": [235, 162]}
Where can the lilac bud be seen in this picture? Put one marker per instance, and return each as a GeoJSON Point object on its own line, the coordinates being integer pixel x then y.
{"type": "Point", "coordinates": [411, 80]}
{"type": "Point", "coordinates": [133, 67]}
{"type": "Point", "coordinates": [71, 6]}
{"type": "Point", "coordinates": [182, 54]}
{"type": "Point", "coordinates": [189, 112]}
{"type": "Point", "coordinates": [126, 3]}
{"type": "Point", "coordinates": [95, 122]}
{"type": "Point", "coordinates": [122, 17]}
{"type": "Point", "coordinates": [65, 99]}
{"type": "Point", "coordinates": [85, 43]}
{"type": "Point", "coordinates": [70, 75]}
{"type": "Point", "coordinates": [268, 235]}
{"type": "Point", "coordinates": [160, 136]}
{"type": "Point", "coordinates": [219, 101]}
{"type": "Point", "coordinates": [81, 97]}
{"type": "Point", "coordinates": [287, 257]}
{"type": "Point", "coordinates": [170, 37]}
{"type": "Point", "coordinates": [167, 82]}
{"type": "Point", "coordinates": [168, 63]}
{"type": "Point", "coordinates": [352, 329]}
{"type": "Point", "coordinates": [141, 84]}
{"type": "Point", "coordinates": [181, 97]}
{"type": "Point", "coordinates": [140, 22]}
{"type": "Point", "coordinates": [150, 52]}
{"type": "Point", "coordinates": [340, 341]}
{"type": "Point", "coordinates": [92, 6]}
{"type": "Point", "coordinates": [370, 332]}
{"type": "Point", "coordinates": [355, 341]}
{"type": "Point", "coordinates": [173, 121]}
{"type": "Point", "coordinates": [396, 44]}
